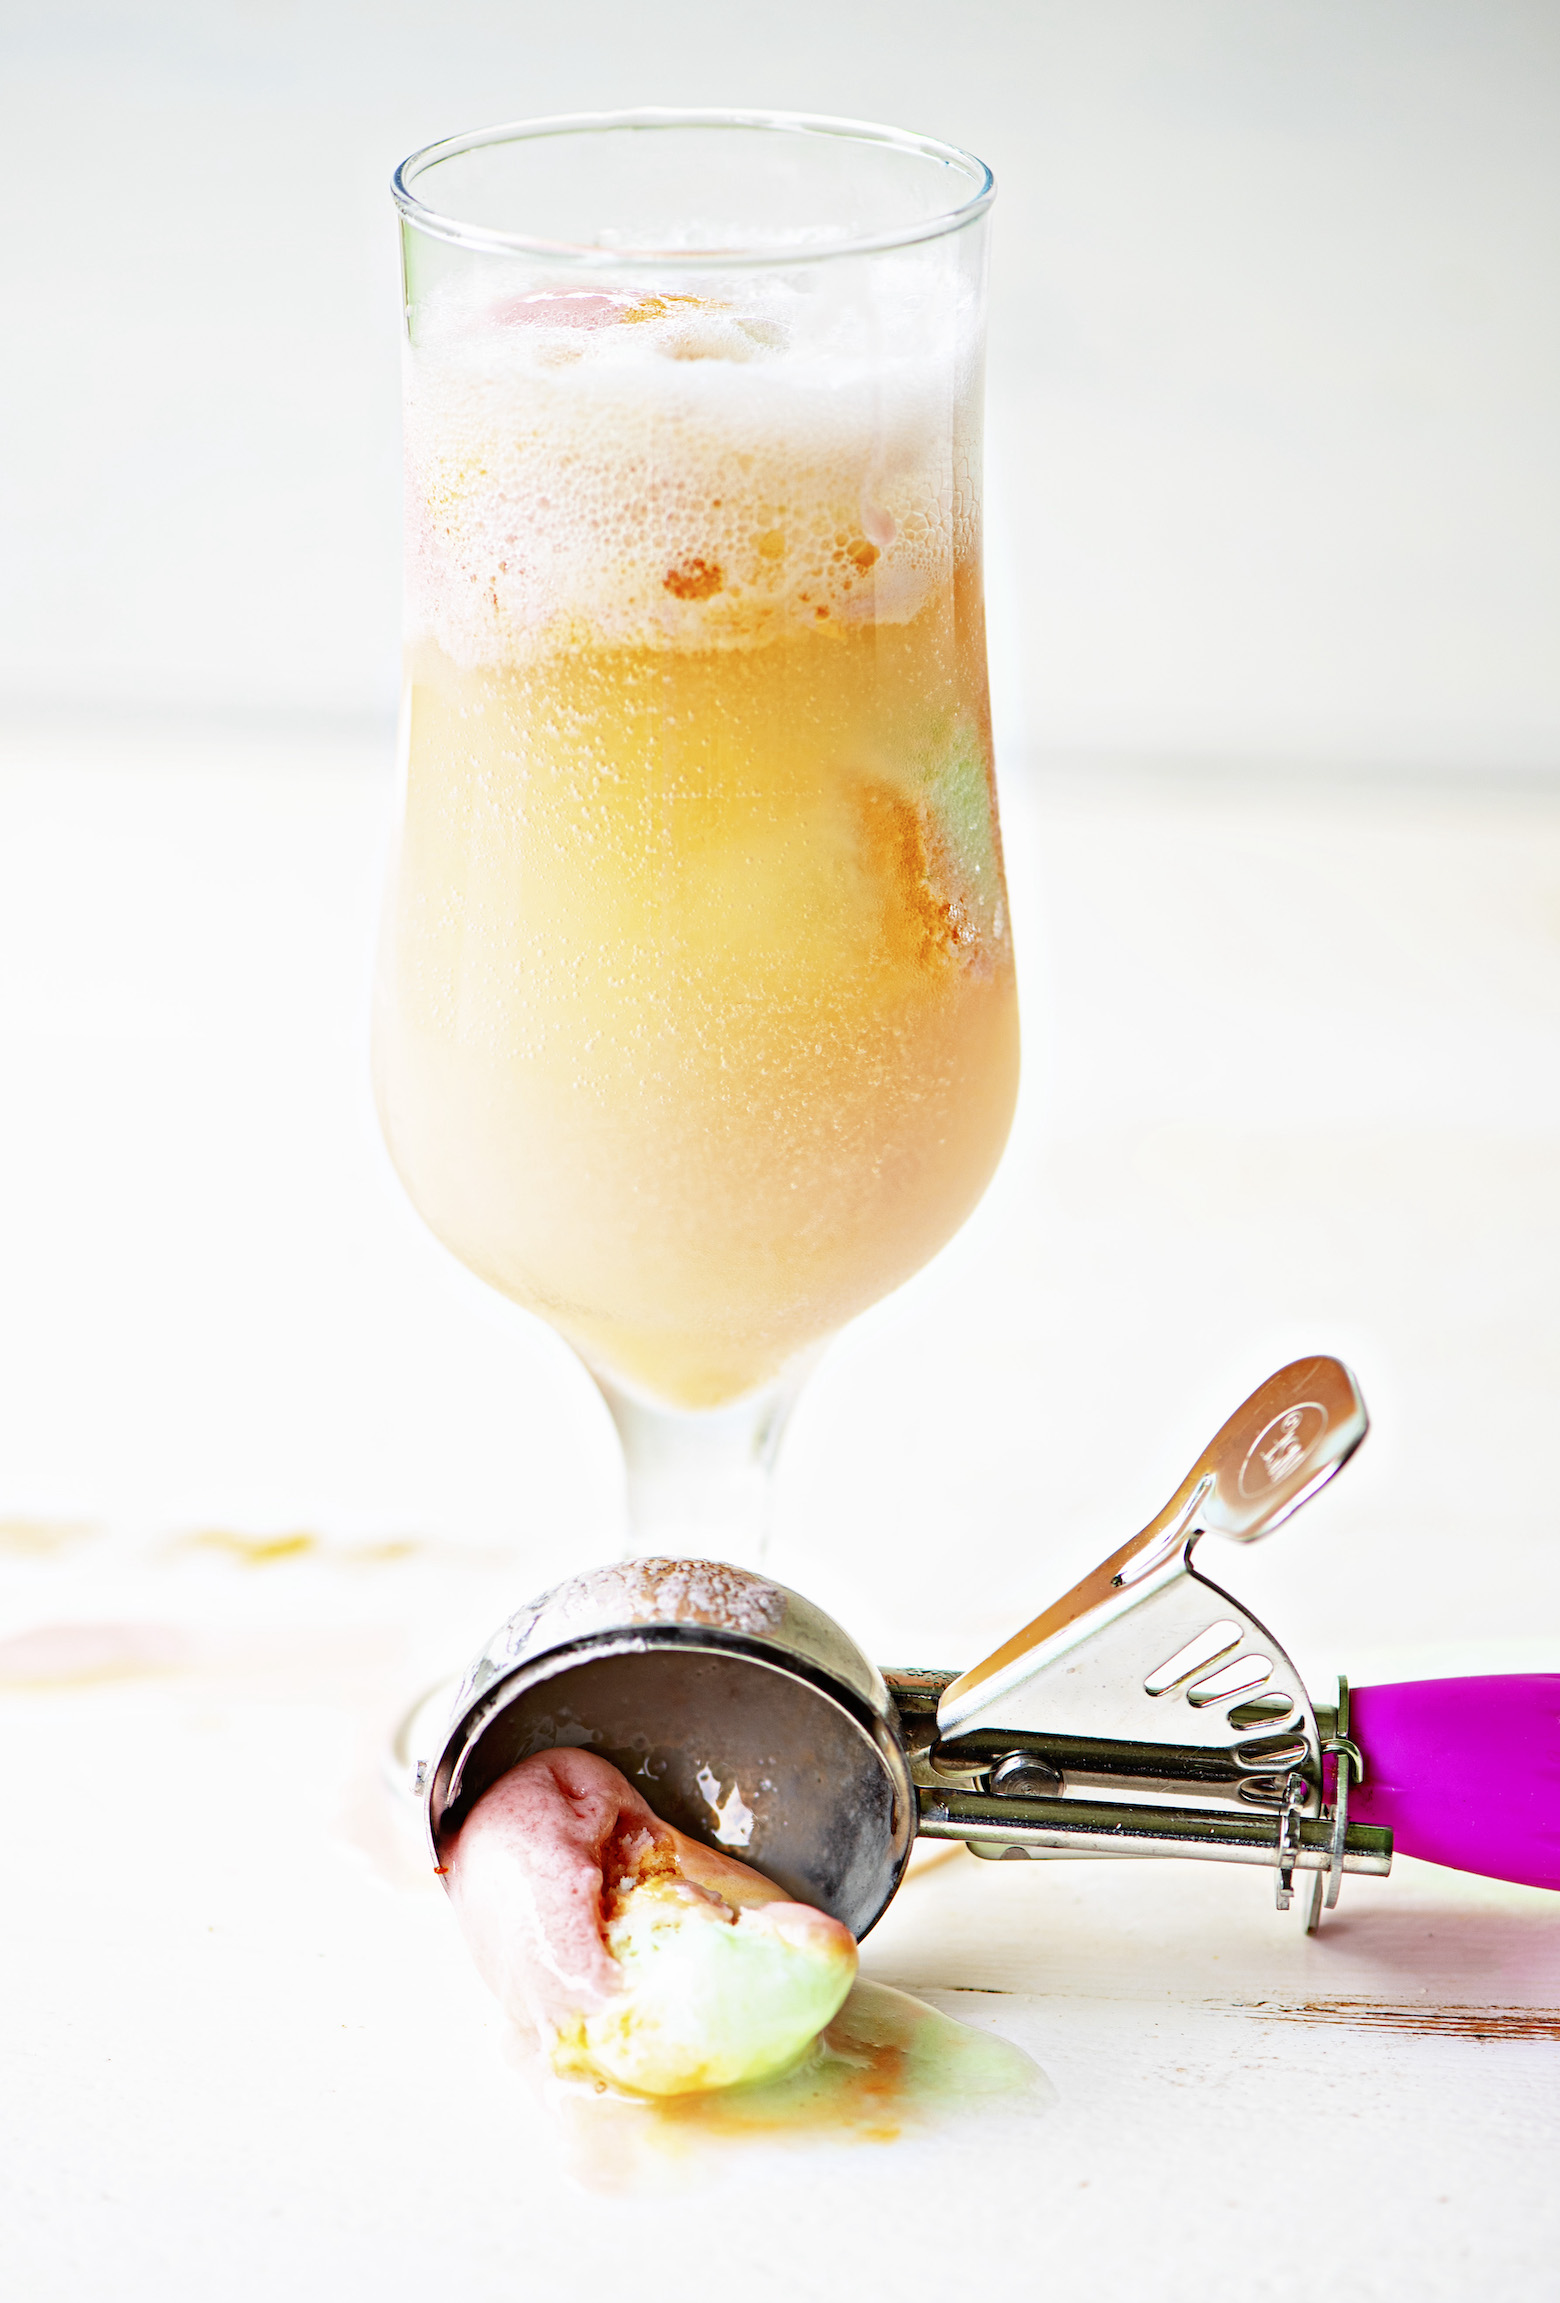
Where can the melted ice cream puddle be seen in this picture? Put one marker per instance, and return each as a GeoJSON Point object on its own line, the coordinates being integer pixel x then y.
{"type": "Point", "coordinates": [888, 2070]}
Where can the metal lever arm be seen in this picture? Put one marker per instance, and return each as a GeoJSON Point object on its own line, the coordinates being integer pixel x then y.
{"type": "Point", "coordinates": [1276, 1450]}
{"type": "Point", "coordinates": [1147, 1712]}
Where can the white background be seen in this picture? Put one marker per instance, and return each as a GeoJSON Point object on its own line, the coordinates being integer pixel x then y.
{"type": "Point", "coordinates": [1275, 350]}
{"type": "Point", "coordinates": [1273, 493]}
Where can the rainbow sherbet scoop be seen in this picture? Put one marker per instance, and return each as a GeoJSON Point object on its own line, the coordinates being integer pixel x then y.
{"type": "Point", "coordinates": [641, 1959]}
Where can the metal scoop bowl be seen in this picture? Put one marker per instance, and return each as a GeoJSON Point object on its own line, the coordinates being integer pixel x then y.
{"type": "Point", "coordinates": [740, 1710]}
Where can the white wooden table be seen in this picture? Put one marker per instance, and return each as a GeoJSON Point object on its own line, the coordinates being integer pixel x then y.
{"type": "Point", "coordinates": [268, 1462]}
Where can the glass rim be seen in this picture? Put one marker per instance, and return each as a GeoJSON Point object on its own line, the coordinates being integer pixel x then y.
{"type": "Point", "coordinates": [488, 237]}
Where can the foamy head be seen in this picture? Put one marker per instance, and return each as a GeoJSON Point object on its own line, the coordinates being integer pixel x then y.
{"type": "Point", "coordinates": [602, 466]}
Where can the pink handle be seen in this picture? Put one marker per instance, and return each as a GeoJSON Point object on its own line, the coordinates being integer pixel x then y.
{"type": "Point", "coordinates": [1464, 1772]}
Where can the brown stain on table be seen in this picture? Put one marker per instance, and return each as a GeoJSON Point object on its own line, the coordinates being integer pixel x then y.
{"type": "Point", "coordinates": [1414, 2019]}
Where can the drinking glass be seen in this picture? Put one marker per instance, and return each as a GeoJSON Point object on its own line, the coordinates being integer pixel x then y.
{"type": "Point", "coordinates": [695, 1029]}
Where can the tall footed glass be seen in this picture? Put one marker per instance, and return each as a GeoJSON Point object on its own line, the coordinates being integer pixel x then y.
{"type": "Point", "coordinates": [695, 1022]}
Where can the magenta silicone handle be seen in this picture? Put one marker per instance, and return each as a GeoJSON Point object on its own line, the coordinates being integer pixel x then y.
{"type": "Point", "coordinates": [1464, 1772]}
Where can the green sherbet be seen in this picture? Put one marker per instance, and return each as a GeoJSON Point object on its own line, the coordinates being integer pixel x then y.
{"type": "Point", "coordinates": [957, 782]}
{"type": "Point", "coordinates": [707, 1999]}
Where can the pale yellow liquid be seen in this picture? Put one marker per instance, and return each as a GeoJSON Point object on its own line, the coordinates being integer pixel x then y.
{"type": "Point", "coordinates": [696, 1028]}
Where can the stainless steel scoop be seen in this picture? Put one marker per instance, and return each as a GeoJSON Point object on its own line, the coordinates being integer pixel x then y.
{"type": "Point", "coordinates": [1146, 1713]}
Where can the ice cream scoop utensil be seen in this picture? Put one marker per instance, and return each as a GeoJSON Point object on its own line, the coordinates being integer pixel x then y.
{"type": "Point", "coordinates": [1145, 1637]}
{"type": "Point", "coordinates": [1145, 1713]}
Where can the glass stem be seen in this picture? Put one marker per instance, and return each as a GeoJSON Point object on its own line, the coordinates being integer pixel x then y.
{"type": "Point", "coordinates": [699, 1480]}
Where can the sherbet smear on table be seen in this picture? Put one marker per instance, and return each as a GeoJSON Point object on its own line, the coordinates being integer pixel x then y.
{"type": "Point", "coordinates": [888, 2067]}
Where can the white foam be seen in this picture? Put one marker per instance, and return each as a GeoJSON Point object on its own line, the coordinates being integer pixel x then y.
{"type": "Point", "coordinates": [598, 466]}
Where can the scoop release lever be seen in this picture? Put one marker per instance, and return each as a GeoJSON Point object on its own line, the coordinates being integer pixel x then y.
{"type": "Point", "coordinates": [1170, 1719]}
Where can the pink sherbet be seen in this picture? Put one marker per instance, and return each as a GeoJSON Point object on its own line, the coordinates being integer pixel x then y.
{"type": "Point", "coordinates": [526, 1878]}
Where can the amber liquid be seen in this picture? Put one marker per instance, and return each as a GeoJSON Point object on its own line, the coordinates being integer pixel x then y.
{"type": "Point", "coordinates": [696, 1028]}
